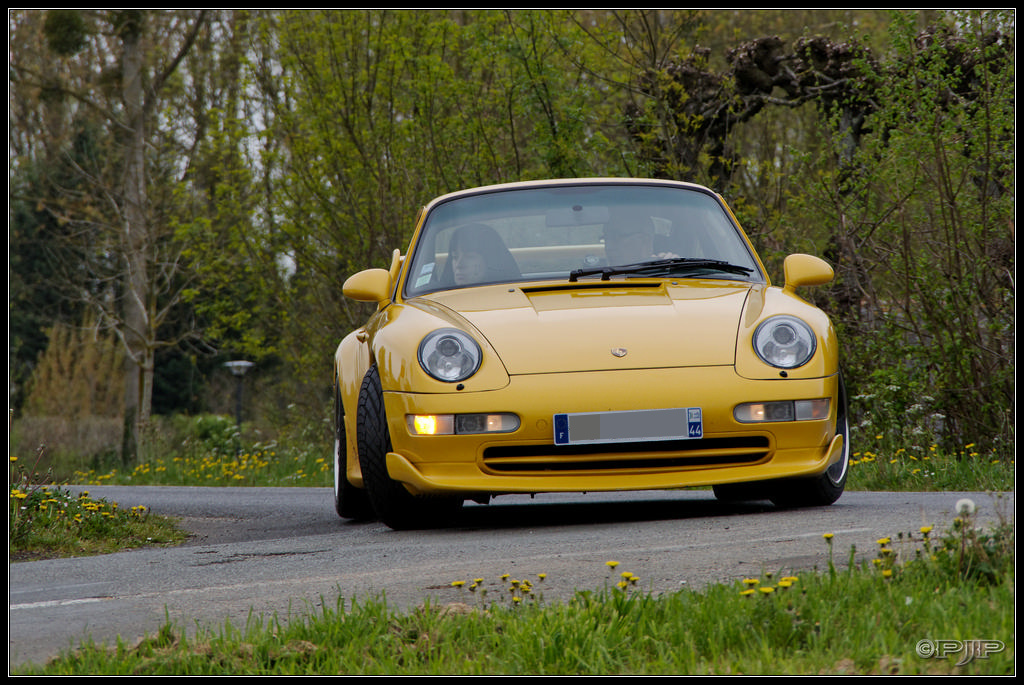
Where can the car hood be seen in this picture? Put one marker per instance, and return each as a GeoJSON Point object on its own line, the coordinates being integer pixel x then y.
{"type": "Point", "coordinates": [602, 326]}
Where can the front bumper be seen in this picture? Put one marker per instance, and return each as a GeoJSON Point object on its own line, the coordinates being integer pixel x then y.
{"type": "Point", "coordinates": [528, 461]}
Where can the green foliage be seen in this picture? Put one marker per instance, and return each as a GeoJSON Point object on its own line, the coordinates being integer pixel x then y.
{"type": "Point", "coordinates": [368, 114]}
{"type": "Point", "coordinates": [65, 31]}
{"type": "Point", "coordinates": [923, 227]}
{"type": "Point", "coordinates": [210, 433]}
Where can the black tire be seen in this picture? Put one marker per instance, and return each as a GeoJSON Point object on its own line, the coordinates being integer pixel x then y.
{"type": "Point", "coordinates": [828, 487]}
{"type": "Point", "coordinates": [392, 502]}
{"type": "Point", "coordinates": [349, 501]}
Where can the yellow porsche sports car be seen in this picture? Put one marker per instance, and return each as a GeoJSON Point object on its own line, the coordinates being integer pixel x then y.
{"type": "Point", "coordinates": [584, 335]}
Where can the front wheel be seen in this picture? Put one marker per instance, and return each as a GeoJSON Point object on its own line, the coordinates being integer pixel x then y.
{"type": "Point", "coordinates": [392, 502]}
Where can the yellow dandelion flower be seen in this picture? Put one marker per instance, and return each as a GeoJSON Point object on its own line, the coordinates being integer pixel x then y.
{"type": "Point", "coordinates": [458, 583]}
{"type": "Point", "coordinates": [828, 536]}
{"type": "Point", "coordinates": [887, 573]}
{"type": "Point", "coordinates": [611, 564]}
{"type": "Point", "coordinates": [751, 581]}
{"type": "Point", "coordinates": [542, 576]}
{"type": "Point", "coordinates": [885, 541]}
{"type": "Point", "coordinates": [925, 530]}
{"type": "Point", "coordinates": [766, 590]}
{"type": "Point", "coordinates": [747, 593]}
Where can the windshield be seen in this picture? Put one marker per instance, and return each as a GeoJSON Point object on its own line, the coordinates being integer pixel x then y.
{"type": "Point", "coordinates": [574, 232]}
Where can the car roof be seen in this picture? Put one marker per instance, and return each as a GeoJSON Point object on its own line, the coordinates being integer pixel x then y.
{"type": "Point", "coordinates": [518, 185]}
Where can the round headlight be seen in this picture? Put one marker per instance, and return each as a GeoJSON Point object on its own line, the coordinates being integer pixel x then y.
{"type": "Point", "coordinates": [785, 342]}
{"type": "Point", "coordinates": [449, 355]}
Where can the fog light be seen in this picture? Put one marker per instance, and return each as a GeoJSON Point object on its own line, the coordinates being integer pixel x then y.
{"type": "Point", "coordinates": [810, 410]}
{"type": "Point", "coordinates": [800, 410]}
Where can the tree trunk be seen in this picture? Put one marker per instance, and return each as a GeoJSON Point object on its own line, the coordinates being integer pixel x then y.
{"type": "Point", "coordinates": [137, 320]}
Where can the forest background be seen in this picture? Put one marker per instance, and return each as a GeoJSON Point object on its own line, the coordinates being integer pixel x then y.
{"type": "Point", "coordinates": [190, 187]}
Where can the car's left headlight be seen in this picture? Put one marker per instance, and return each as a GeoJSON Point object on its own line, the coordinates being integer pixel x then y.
{"type": "Point", "coordinates": [785, 342]}
{"type": "Point", "coordinates": [449, 355]}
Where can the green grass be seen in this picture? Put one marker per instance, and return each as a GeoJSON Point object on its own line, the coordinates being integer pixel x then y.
{"type": "Point", "coordinates": [255, 465]}
{"type": "Point", "coordinates": [870, 618]}
{"type": "Point", "coordinates": [46, 521]}
{"type": "Point", "coordinates": [880, 465]}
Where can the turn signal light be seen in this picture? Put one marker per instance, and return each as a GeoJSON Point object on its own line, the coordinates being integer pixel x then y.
{"type": "Point", "coordinates": [461, 424]}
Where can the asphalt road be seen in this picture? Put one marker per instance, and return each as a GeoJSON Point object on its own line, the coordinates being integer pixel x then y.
{"type": "Point", "coordinates": [283, 551]}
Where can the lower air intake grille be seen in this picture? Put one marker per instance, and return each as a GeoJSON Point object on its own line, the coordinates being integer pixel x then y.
{"type": "Point", "coordinates": [662, 455]}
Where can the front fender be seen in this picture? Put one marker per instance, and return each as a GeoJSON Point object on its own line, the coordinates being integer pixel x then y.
{"type": "Point", "coordinates": [765, 302]}
{"type": "Point", "coordinates": [351, 361]}
{"type": "Point", "coordinates": [395, 342]}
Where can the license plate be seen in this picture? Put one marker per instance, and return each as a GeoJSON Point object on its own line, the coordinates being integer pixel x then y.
{"type": "Point", "coordinates": [628, 426]}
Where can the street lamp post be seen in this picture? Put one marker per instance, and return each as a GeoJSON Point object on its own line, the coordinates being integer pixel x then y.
{"type": "Point", "coordinates": [239, 368]}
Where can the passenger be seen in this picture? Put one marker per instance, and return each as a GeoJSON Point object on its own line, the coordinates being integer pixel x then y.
{"type": "Point", "coordinates": [477, 254]}
{"type": "Point", "coordinates": [631, 244]}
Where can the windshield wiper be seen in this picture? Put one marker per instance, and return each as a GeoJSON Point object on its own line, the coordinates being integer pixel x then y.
{"type": "Point", "coordinates": [673, 265]}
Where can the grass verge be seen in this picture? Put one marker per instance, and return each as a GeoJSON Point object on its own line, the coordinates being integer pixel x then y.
{"type": "Point", "coordinates": [46, 522]}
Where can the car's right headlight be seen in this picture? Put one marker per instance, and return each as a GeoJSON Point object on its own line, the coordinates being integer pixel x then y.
{"type": "Point", "coordinates": [449, 355]}
{"type": "Point", "coordinates": [785, 342]}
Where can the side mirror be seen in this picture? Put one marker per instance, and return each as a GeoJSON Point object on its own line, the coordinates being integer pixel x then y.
{"type": "Point", "coordinates": [372, 285]}
{"type": "Point", "coordinates": [805, 269]}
